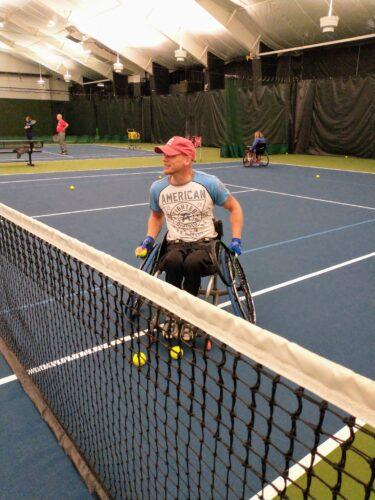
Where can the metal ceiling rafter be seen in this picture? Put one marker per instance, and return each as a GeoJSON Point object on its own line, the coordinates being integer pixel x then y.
{"type": "Point", "coordinates": [63, 47]}
{"type": "Point", "coordinates": [38, 59]}
{"type": "Point", "coordinates": [132, 55]}
{"type": "Point", "coordinates": [197, 50]}
{"type": "Point", "coordinates": [232, 20]}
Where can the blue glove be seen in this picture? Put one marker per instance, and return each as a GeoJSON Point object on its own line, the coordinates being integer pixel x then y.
{"type": "Point", "coordinates": [235, 246]}
{"type": "Point", "coordinates": [145, 247]}
{"type": "Point", "coordinates": [148, 243]}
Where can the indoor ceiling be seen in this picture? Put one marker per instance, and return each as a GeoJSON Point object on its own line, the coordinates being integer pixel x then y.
{"type": "Point", "coordinates": [84, 37]}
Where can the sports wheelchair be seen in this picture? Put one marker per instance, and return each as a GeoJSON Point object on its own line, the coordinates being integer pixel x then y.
{"type": "Point", "coordinates": [257, 158]}
{"type": "Point", "coordinates": [225, 268]}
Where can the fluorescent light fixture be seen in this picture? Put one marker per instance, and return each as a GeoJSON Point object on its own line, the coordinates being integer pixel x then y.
{"type": "Point", "coordinates": [100, 84]}
{"type": "Point", "coordinates": [67, 77]}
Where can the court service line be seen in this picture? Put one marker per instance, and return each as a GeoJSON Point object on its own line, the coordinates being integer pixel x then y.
{"type": "Point", "coordinates": [305, 277]}
{"type": "Point", "coordinates": [304, 197]}
{"type": "Point", "coordinates": [115, 207]}
{"type": "Point", "coordinates": [104, 346]}
{"type": "Point", "coordinates": [117, 174]}
{"type": "Point", "coordinates": [312, 235]}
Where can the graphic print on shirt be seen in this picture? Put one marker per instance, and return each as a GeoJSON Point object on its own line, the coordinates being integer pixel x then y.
{"type": "Point", "coordinates": [188, 209]}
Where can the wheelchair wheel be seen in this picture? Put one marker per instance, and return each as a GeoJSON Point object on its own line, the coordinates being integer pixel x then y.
{"type": "Point", "coordinates": [233, 276]}
{"type": "Point", "coordinates": [247, 159]}
{"type": "Point", "coordinates": [134, 302]}
{"type": "Point", "coordinates": [265, 160]}
{"type": "Point", "coordinates": [149, 264]}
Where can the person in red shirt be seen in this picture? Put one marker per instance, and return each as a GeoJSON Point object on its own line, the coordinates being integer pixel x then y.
{"type": "Point", "coordinates": [62, 125]}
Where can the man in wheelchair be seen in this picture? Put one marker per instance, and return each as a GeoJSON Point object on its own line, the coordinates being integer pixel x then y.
{"type": "Point", "coordinates": [186, 199]}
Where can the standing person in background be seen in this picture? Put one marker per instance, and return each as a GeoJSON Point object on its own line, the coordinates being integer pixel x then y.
{"type": "Point", "coordinates": [62, 125]}
{"type": "Point", "coordinates": [29, 123]}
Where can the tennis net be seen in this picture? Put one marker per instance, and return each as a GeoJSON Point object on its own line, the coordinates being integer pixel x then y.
{"type": "Point", "coordinates": [242, 413]}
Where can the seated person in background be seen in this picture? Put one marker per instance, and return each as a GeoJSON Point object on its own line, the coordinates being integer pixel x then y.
{"type": "Point", "coordinates": [258, 139]}
{"type": "Point", "coordinates": [186, 198]}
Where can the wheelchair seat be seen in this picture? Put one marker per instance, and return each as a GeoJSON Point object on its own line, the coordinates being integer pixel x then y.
{"type": "Point", "coordinates": [226, 268]}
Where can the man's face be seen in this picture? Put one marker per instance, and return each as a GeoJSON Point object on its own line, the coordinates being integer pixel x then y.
{"type": "Point", "coordinates": [176, 164]}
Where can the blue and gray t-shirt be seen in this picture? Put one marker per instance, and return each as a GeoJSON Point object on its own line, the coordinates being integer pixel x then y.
{"type": "Point", "coordinates": [188, 209]}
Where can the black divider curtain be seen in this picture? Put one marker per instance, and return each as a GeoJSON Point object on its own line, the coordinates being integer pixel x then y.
{"type": "Point", "coordinates": [81, 115]}
{"type": "Point", "coordinates": [336, 116]}
{"type": "Point", "coordinates": [14, 111]}
{"type": "Point", "coordinates": [266, 108]}
{"type": "Point", "coordinates": [205, 117]}
{"type": "Point", "coordinates": [168, 116]}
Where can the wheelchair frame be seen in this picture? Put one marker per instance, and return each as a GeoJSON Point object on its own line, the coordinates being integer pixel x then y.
{"type": "Point", "coordinates": [227, 268]}
{"type": "Point", "coordinates": [250, 157]}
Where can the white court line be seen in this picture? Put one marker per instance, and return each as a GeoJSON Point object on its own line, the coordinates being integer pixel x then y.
{"type": "Point", "coordinates": [299, 468]}
{"type": "Point", "coordinates": [5, 380]}
{"type": "Point", "coordinates": [222, 305]}
{"type": "Point", "coordinates": [57, 154]}
{"type": "Point", "coordinates": [117, 174]}
{"type": "Point", "coordinates": [115, 207]}
{"type": "Point", "coordinates": [304, 197]}
{"type": "Point", "coordinates": [305, 277]}
{"type": "Point", "coordinates": [323, 168]}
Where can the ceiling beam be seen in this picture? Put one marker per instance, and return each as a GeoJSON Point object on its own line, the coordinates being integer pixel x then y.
{"type": "Point", "coordinates": [38, 58]}
{"type": "Point", "coordinates": [64, 46]}
{"type": "Point", "coordinates": [234, 20]}
{"type": "Point", "coordinates": [197, 50]}
{"type": "Point", "coordinates": [133, 56]}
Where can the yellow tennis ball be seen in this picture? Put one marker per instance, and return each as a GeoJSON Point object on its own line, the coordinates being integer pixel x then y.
{"type": "Point", "coordinates": [345, 156]}
{"type": "Point", "coordinates": [72, 188]}
{"type": "Point", "coordinates": [140, 252]}
{"type": "Point", "coordinates": [176, 352]}
{"type": "Point", "coordinates": [139, 359]}
{"type": "Point", "coordinates": [317, 176]}
{"type": "Point", "coordinates": [160, 176]}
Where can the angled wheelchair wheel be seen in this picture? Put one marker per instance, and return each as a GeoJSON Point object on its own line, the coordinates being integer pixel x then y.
{"type": "Point", "coordinates": [149, 264]}
{"type": "Point", "coordinates": [134, 302]}
{"type": "Point", "coordinates": [233, 276]}
{"type": "Point", "coordinates": [247, 159]}
{"type": "Point", "coordinates": [265, 160]}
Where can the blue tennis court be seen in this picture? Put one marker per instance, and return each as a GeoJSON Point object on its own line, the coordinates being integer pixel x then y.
{"type": "Point", "coordinates": [308, 253]}
{"type": "Point", "coordinates": [51, 152]}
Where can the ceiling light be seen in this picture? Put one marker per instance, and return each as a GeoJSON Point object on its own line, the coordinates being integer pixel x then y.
{"type": "Point", "coordinates": [67, 77]}
{"type": "Point", "coordinates": [329, 23]}
{"type": "Point", "coordinates": [100, 84]}
{"type": "Point", "coordinates": [51, 23]}
{"type": "Point", "coordinates": [118, 66]}
{"type": "Point", "coordinates": [40, 81]}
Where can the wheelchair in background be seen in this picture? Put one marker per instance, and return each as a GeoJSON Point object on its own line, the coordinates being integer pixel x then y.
{"type": "Point", "coordinates": [257, 158]}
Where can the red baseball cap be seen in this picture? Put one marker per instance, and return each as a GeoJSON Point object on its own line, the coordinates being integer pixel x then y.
{"type": "Point", "coordinates": [177, 146]}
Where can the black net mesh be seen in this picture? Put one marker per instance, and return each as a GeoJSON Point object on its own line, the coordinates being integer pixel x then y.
{"type": "Point", "coordinates": [208, 424]}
